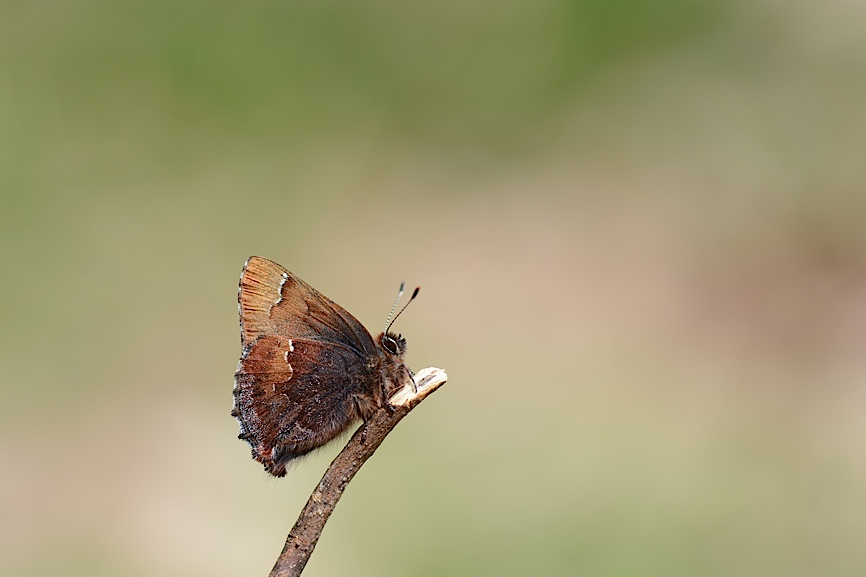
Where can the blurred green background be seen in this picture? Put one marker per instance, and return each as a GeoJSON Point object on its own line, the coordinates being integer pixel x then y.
{"type": "Point", "coordinates": [639, 228]}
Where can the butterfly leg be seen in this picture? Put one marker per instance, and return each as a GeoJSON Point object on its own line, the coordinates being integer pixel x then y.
{"type": "Point", "coordinates": [412, 378]}
{"type": "Point", "coordinates": [385, 399]}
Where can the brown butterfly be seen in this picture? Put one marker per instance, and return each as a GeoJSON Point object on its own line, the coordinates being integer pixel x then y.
{"type": "Point", "coordinates": [308, 369]}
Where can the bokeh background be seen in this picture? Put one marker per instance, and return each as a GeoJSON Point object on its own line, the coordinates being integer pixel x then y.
{"type": "Point", "coordinates": [639, 228]}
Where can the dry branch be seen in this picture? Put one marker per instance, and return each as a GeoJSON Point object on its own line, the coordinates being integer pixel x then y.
{"type": "Point", "coordinates": [305, 534]}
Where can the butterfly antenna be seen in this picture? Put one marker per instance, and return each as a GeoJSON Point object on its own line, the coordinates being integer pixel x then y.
{"type": "Point", "coordinates": [394, 308]}
{"type": "Point", "coordinates": [412, 298]}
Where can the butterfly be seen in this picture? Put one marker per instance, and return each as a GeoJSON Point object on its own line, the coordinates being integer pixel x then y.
{"type": "Point", "coordinates": [308, 369]}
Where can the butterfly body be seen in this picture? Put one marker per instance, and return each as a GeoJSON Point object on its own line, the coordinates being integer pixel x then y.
{"type": "Point", "coordinates": [308, 369]}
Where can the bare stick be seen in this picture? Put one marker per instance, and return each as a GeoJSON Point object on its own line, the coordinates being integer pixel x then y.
{"type": "Point", "coordinates": [305, 534]}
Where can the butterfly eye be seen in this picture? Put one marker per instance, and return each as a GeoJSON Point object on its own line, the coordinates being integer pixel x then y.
{"type": "Point", "coordinates": [389, 344]}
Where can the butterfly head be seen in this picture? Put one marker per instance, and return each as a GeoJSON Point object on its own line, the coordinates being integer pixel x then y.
{"type": "Point", "coordinates": [393, 344]}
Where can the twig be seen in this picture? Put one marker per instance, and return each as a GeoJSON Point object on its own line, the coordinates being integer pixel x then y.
{"type": "Point", "coordinates": [304, 535]}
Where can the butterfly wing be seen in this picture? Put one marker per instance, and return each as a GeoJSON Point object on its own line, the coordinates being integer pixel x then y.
{"type": "Point", "coordinates": [305, 363]}
{"type": "Point", "coordinates": [292, 396]}
{"type": "Point", "coordinates": [273, 301]}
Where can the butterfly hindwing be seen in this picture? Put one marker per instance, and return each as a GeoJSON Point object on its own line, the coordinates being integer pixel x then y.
{"type": "Point", "coordinates": [285, 399]}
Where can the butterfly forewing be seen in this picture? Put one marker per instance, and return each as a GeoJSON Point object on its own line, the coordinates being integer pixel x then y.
{"type": "Point", "coordinates": [273, 301]}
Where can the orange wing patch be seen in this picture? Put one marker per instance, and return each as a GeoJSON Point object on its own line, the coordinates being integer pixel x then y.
{"type": "Point", "coordinates": [259, 290]}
